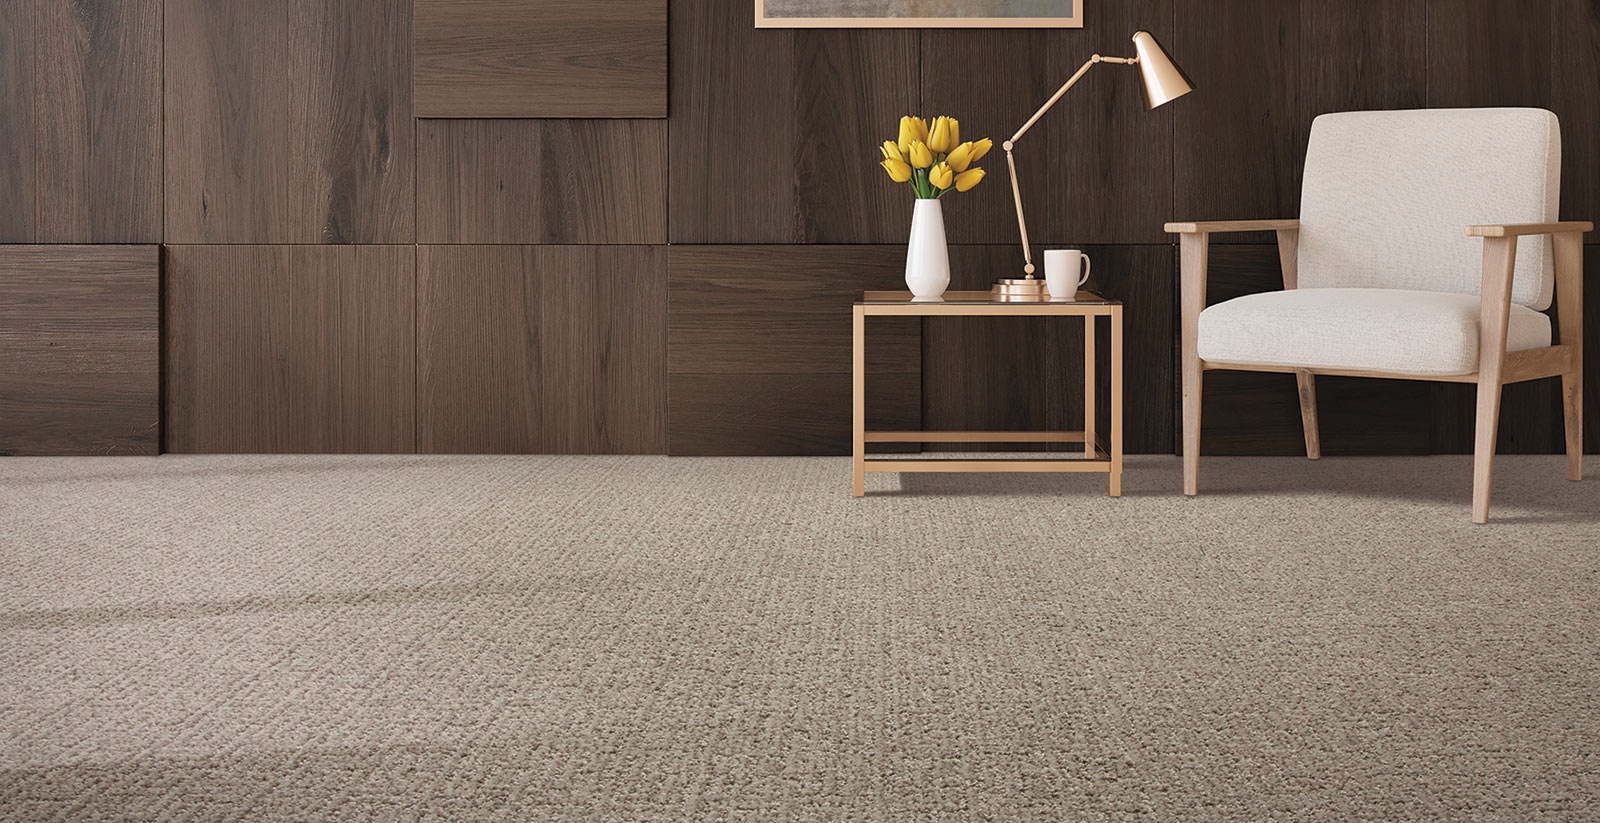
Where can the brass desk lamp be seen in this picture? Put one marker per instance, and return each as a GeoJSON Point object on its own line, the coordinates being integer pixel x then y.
{"type": "Point", "coordinates": [1164, 82]}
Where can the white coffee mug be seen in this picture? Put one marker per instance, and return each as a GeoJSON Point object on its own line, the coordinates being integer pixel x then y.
{"type": "Point", "coordinates": [1064, 274]}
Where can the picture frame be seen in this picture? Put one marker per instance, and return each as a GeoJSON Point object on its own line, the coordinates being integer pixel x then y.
{"type": "Point", "coordinates": [904, 14]}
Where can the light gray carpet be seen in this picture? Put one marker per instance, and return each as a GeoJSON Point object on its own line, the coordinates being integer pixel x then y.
{"type": "Point", "coordinates": [619, 639]}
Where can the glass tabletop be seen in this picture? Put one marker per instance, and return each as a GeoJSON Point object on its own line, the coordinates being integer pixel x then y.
{"type": "Point", "coordinates": [971, 298]}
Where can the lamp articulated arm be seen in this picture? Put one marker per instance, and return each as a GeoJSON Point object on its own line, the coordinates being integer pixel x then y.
{"type": "Point", "coordinates": [1011, 163]}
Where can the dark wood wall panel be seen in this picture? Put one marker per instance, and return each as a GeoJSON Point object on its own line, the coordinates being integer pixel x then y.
{"type": "Point", "coordinates": [1575, 97]}
{"type": "Point", "coordinates": [542, 181]}
{"type": "Point", "coordinates": [1357, 55]}
{"type": "Point", "coordinates": [759, 348]}
{"type": "Point", "coordinates": [773, 131]}
{"type": "Point", "coordinates": [541, 58]}
{"type": "Point", "coordinates": [289, 121]}
{"type": "Point", "coordinates": [290, 349]}
{"type": "Point", "coordinates": [79, 350]}
{"type": "Point", "coordinates": [17, 164]}
{"type": "Point", "coordinates": [1098, 167]}
{"type": "Point", "coordinates": [1027, 373]}
{"type": "Point", "coordinates": [80, 121]}
{"type": "Point", "coordinates": [557, 349]}
{"type": "Point", "coordinates": [1241, 139]}
{"type": "Point", "coordinates": [1489, 53]}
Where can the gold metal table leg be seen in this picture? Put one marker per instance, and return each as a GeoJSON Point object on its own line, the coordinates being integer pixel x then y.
{"type": "Point", "coordinates": [859, 406]}
{"type": "Point", "coordinates": [1088, 384]}
{"type": "Point", "coordinates": [1116, 401]}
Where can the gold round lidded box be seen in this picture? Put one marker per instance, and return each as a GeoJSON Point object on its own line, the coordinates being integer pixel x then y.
{"type": "Point", "coordinates": [1031, 290]}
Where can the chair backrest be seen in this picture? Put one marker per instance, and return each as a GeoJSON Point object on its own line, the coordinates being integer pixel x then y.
{"type": "Point", "coordinates": [1387, 196]}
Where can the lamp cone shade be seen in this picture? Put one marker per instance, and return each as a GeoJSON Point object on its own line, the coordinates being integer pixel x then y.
{"type": "Point", "coordinates": [1164, 82]}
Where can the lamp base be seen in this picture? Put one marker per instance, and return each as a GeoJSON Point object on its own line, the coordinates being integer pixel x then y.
{"type": "Point", "coordinates": [1020, 291]}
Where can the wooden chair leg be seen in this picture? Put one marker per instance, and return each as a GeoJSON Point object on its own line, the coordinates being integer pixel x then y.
{"type": "Point", "coordinates": [1483, 447]}
{"type": "Point", "coordinates": [1308, 413]}
{"type": "Point", "coordinates": [1194, 249]}
{"type": "Point", "coordinates": [1499, 258]}
{"type": "Point", "coordinates": [1572, 408]}
{"type": "Point", "coordinates": [1192, 376]}
{"type": "Point", "coordinates": [1569, 310]}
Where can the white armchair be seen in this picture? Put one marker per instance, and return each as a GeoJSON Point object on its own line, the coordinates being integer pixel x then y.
{"type": "Point", "coordinates": [1384, 276]}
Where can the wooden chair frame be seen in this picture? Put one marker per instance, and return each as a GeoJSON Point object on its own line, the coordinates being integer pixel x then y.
{"type": "Point", "coordinates": [1496, 366]}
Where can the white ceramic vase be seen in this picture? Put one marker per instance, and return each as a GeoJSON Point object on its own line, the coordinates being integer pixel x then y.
{"type": "Point", "coordinates": [927, 258]}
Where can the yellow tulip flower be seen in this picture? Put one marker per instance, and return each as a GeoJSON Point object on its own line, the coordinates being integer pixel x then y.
{"type": "Point", "coordinates": [911, 130]}
{"type": "Point", "coordinates": [969, 178]}
{"type": "Point", "coordinates": [942, 176]}
{"type": "Point", "coordinates": [891, 151]}
{"type": "Point", "coordinates": [980, 148]}
{"type": "Point", "coordinates": [919, 155]}
{"type": "Point", "coordinates": [955, 131]}
{"type": "Point", "coordinates": [939, 139]}
{"type": "Point", "coordinates": [898, 171]}
{"type": "Point", "coordinates": [960, 157]}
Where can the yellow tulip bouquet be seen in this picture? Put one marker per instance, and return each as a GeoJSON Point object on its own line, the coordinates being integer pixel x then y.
{"type": "Point", "coordinates": [933, 160]}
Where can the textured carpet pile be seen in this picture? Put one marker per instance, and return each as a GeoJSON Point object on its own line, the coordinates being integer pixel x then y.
{"type": "Point", "coordinates": [644, 638]}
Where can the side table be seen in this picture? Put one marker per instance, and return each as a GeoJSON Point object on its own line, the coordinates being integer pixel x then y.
{"type": "Point", "coordinates": [1096, 456]}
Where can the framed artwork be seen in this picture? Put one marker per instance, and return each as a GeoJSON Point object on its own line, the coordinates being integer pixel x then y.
{"type": "Point", "coordinates": [919, 14]}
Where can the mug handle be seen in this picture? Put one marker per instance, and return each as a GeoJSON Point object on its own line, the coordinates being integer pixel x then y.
{"type": "Point", "coordinates": [1087, 263]}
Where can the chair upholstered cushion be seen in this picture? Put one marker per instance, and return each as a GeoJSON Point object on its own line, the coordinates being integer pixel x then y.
{"type": "Point", "coordinates": [1386, 330]}
{"type": "Point", "coordinates": [1387, 196]}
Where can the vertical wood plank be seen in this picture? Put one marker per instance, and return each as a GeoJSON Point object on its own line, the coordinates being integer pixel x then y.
{"type": "Point", "coordinates": [226, 122]}
{"type": "Point", "coordinates": [852, 89]}
{"type": "Point", "coordinates": [771, 129]}
{"type": "Point", "coordinates": [80, 115]}
{"type": "Point", "coordinates": [290, 349]}
{"type": "Point", "coordinates": [352, 137]}
{"type": "Point", "coordinates": [17, 128]}
{"type": "Point", "coordinates": [542, 349]}
{"type": "Point", "coordinates": [733, 131]}
{"type": "Point", "coordinates": [541, 58]}
{"type": "Point", "coordinates": [1360, 55]}
{"type": "Point", "coordinates": [290, 122]}
{"type": "Point", "coordinates": [1489, 53]}
{"type": "Point", "coordinates": [79, 350]}
{"type": "Point", "coordinates": [542, 181]}
{"type": "Point", "coordinates": [1243, 134]}
{"type": "Point", "coordinates": [1575, 97]}
{"type": "Point", "coordinates": [99, 117]}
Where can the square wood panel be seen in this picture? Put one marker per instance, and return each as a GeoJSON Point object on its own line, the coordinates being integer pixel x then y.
{"type": "Point", "coordinates": [542, 181]}
{"type": "Point", "coordinates": [542, 349]}
{"type": "Point", "coordinates": [79, 349]}
{"type": "Point", "coordinates": [306, 349]}
{"type": "Point", "coordinates": [773, 131]}
{"type": "Point", "coordinates": [760, 348]}
{"type": "Point", "coordinates": [289, 121]}
{"type": "Point", "coordinates": [80, 121]}
{"type": "Point", "coordinates": [541, 58]}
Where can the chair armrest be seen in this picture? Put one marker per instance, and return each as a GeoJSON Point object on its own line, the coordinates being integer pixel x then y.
{"type": "Point", "coordinates": [1521, 229]}
{"type": "Point", "coordinates": [1223, 226]}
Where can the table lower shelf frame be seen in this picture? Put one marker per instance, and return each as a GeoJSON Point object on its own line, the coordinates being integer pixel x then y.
{"type": "Point", "coordinates": [1099, 457]}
